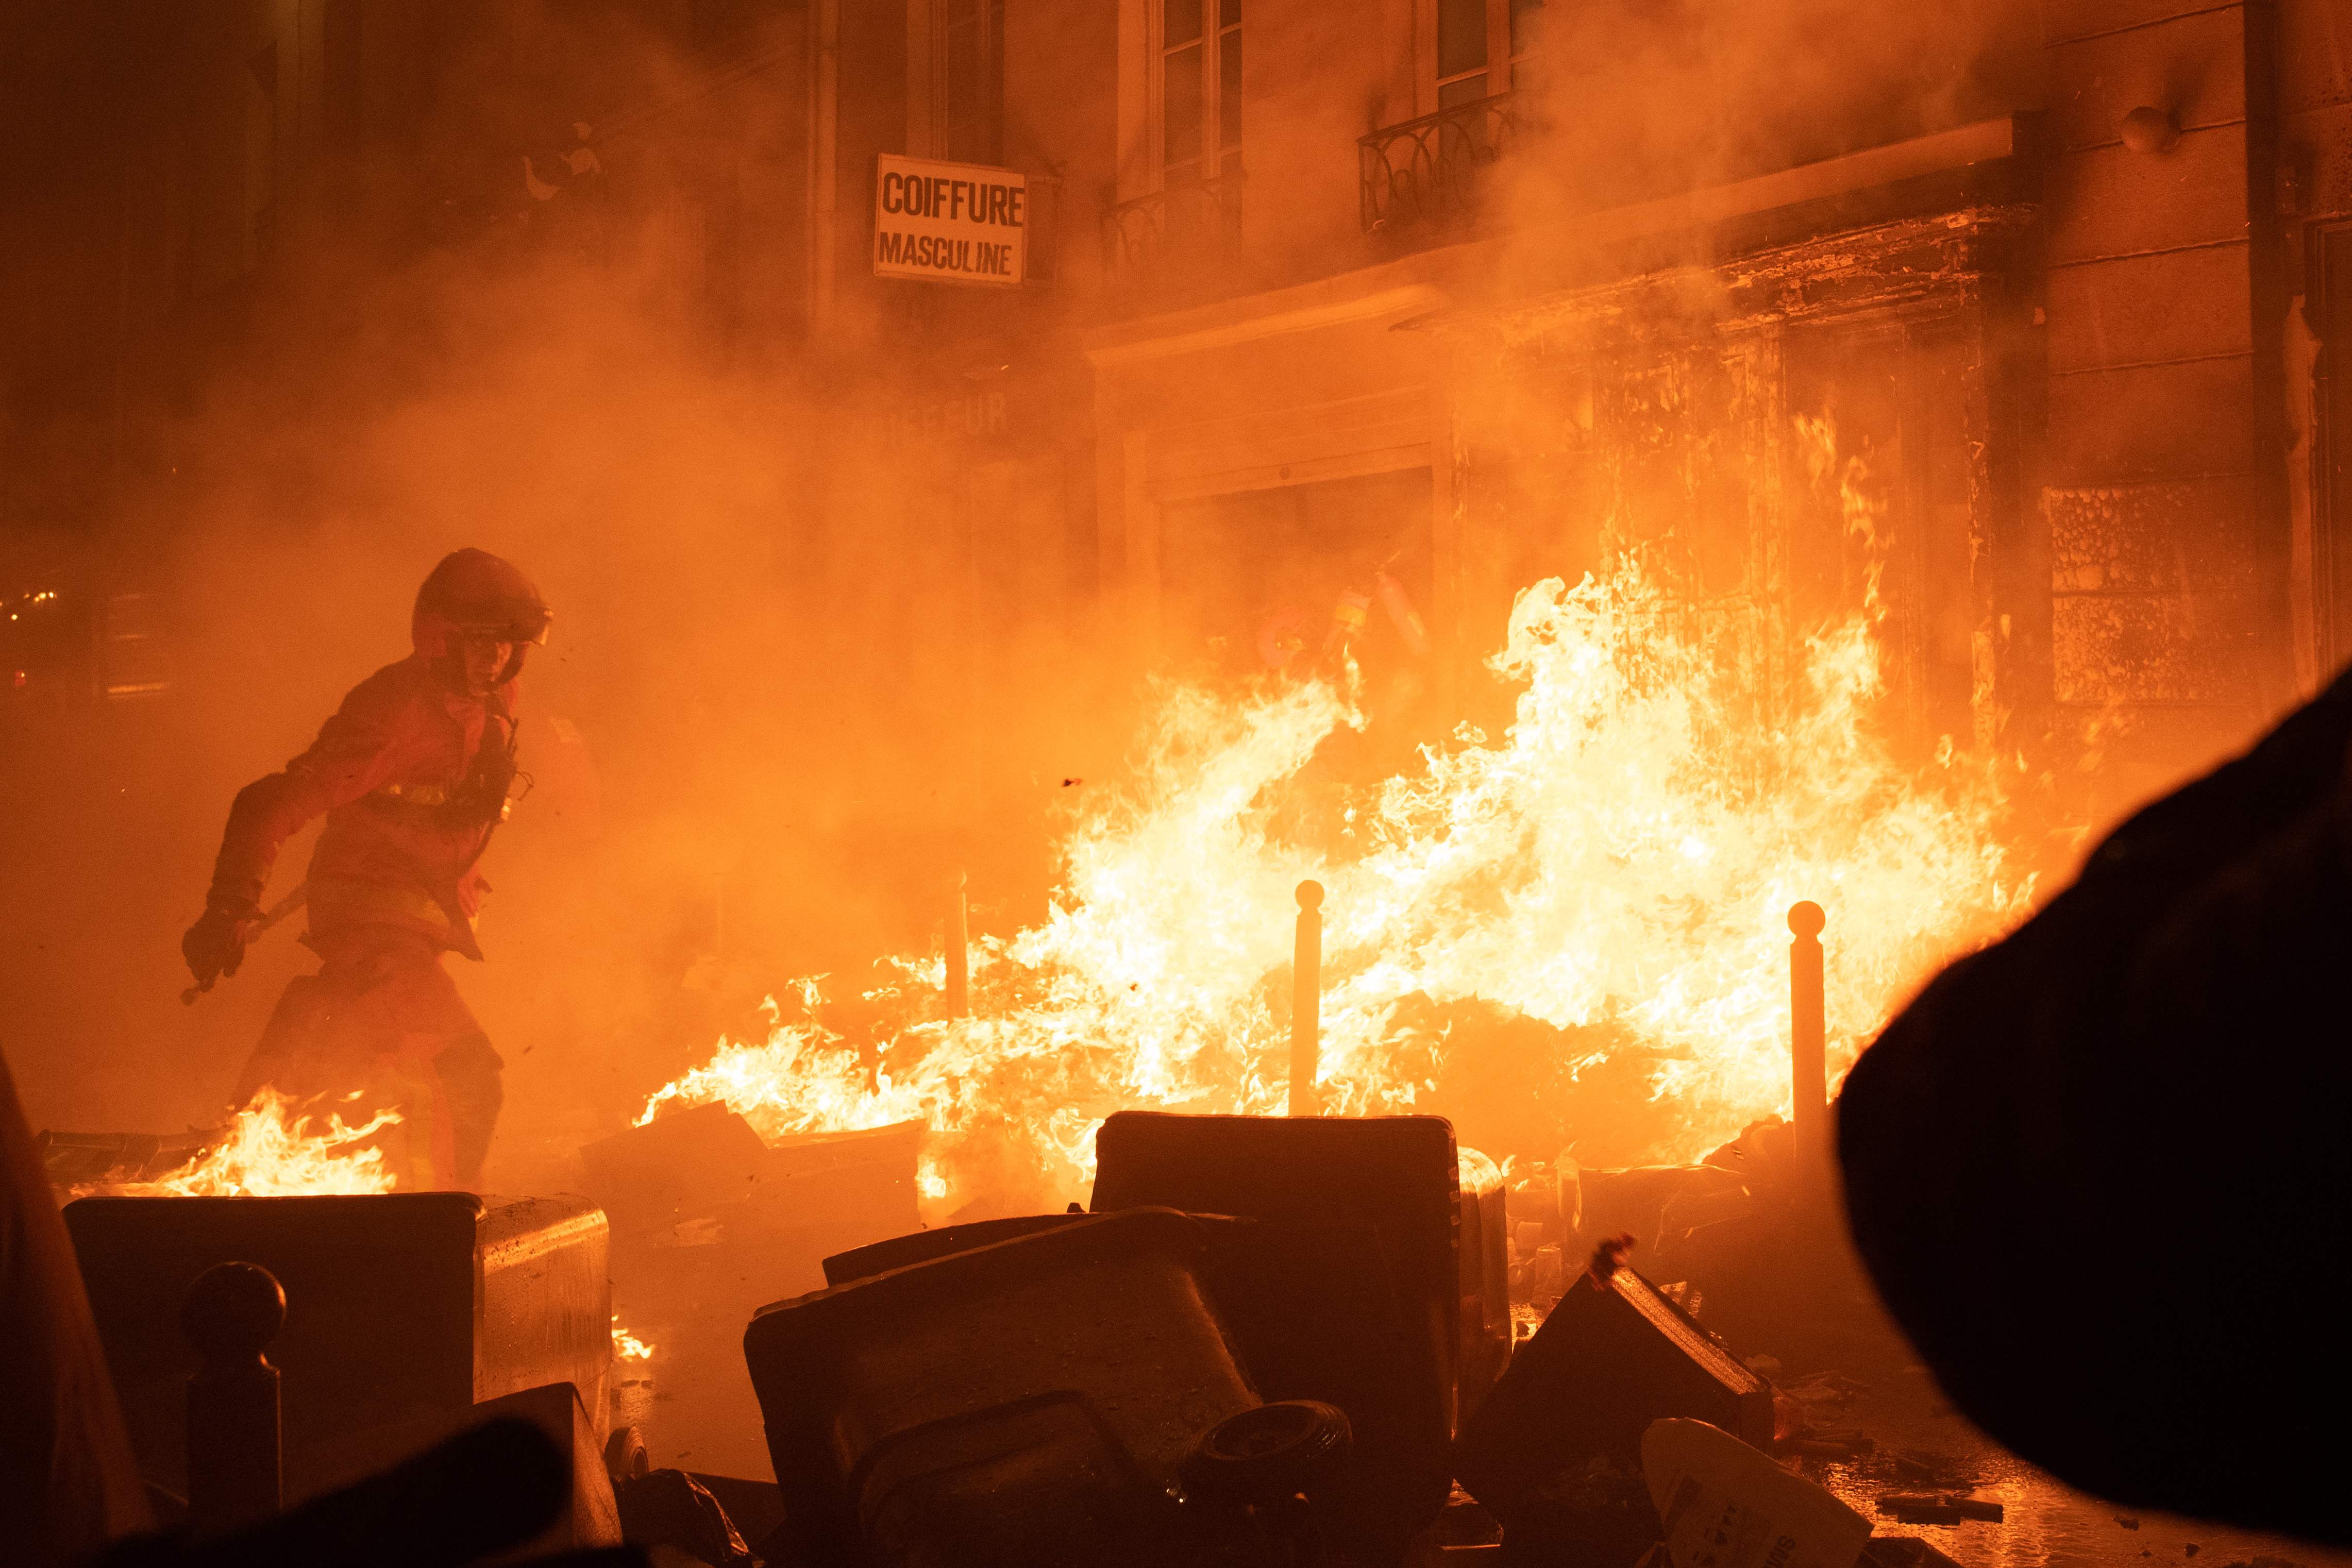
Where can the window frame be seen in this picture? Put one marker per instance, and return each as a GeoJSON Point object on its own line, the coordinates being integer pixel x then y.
{"type": "Point", "coordinates": [1501, 63]}
{"type": "Point", "coordinates": [1209, 165]}
{"type": "Point", "coordinates": [928, 83]}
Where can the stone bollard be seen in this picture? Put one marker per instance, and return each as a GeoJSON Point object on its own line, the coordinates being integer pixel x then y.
{"type": "Point", "coordinates": [1306, 1002]}
{"type": "Point", "coordinates": [1809, 1076]}
{"type": "Point", "coordinates": [230, 1315]}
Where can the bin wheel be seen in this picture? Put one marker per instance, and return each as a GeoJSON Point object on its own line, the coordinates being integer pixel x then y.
{"type": "Point", "coordinates": [624, 1455]}
{"type": "Point", "coordinates": [1266, 1455]}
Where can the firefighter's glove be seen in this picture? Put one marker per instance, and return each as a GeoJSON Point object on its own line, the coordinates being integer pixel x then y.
{"type": "Point", "coordinates": [215, 945]}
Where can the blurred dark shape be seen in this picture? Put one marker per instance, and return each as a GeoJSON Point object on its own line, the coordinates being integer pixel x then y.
{"type": "Point", "coordinates": [671, 1508]}
{"type": "Point", "coordinates": [67, 1479]}
{"type": "Point", "coordinates": [483, 1491]}
{"type": "Point", "coordinates": [1614, 1355]}
{"type": "Point", "coordinates": [235, 1472]}
{"type": "Point", "coordinates": [590, 1517]}
{"type": "Point", "coordinates": [1345, 1289]}
{"type": "Point", "coordinates": [399, 1302]}
{"type": "Point", "coordinates": [2098, 1170]}
{"type": "Point", "coordinates": [1027, 1402]}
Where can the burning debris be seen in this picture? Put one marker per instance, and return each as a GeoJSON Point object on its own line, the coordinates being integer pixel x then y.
{"type": "Point", "coordinates": [1955, 433]}
{"type": "Point", "coordinates": [270, 1149]}
{"type": "Point", "coordinates": [1614, 869]}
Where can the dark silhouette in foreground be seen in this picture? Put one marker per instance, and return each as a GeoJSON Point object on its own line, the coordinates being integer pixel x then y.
{"type": "Point", "coordinates": [2099, 1170]}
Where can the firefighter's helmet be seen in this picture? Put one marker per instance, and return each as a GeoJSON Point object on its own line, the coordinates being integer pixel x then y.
{"type": "Point", "coordinates": [473, 593]}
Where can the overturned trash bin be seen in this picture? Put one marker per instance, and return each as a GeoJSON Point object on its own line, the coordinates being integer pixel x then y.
{"type": "Point", "coordinates": [398, 1304]}
{"type": "Point", "coordinates": [1347, 1287]}
{"type": "Point", "coordinates": [1029, 1402]}
{"type": "Point", "coordinates": [1613, 1357]}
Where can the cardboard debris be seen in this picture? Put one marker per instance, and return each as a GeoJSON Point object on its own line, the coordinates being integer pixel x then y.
{"type": "Point", "coordinates": [1724, 1503]}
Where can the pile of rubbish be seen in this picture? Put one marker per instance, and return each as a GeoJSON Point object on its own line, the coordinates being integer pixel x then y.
{"type": "Point", "coordinates": [1268, 1341]}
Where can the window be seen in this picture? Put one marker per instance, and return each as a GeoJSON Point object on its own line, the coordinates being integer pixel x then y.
{"type": "Point", "coordinates": [1480, 43]}
{"type": "Point", "coordinates": [1200, 90]}
{"type": "Point", "coordinates": [967, 71]}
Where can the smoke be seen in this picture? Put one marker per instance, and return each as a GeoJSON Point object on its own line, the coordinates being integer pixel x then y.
{"type": "Point", "coordinates": [789, 735]}
{"type": "Point", "coordinates": [1651, 100]}
{"type": "Point", "coordinates": [794, 726]}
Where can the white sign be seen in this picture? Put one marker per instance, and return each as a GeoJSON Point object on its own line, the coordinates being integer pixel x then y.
{"type": "Point", "coordinates": [950, 223]}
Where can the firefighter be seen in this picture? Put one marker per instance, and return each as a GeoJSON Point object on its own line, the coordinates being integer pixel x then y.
{"type": "Point", "coordinates": [413, 773]}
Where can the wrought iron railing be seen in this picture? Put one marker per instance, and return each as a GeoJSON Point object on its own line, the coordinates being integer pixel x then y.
{"type": "Point", "coordinates": [1428, 171]}
{"type": "Point", "coordinates": [1162, 237]}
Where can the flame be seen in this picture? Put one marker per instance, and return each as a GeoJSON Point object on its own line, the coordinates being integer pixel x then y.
{"type": "Point", "coordinates": [627, 1346]}
{"type": "Point", "coordinates": [1617, 865]}
{"type": "Point", "coordinates": [266, 1151]}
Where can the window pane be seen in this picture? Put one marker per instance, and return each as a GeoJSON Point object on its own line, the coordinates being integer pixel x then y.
{"type": "Point", "coordinates": [1180, 23]}
{"type": "Point", "coordinates": [1461, 90]}
{"type": "Point", "coordinates": [1179, 106]}
{"type": "Point", "coordinates": [1229, 90]}
{"type": "Point", "coordinates": [1229, 13]}
{"type": "Point", "coordinates": [960, 65]}
{"type": "Point", "coordinates": [1461, 37]}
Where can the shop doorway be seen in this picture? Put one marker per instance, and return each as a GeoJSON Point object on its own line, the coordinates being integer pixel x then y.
{"type": "Point", "coordinates": [1299, 580]}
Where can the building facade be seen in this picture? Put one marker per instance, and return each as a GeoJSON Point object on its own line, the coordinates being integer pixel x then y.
{"type": "Point", "coordinates": [1453, 293]}
{"type": "Point", "coordinates": [1358, 285]}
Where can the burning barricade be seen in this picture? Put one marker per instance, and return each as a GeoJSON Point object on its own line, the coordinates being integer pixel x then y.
{"type": "Point", "coordinates": [1571, 940]}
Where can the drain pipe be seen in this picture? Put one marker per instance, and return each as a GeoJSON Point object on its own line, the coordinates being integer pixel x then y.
{"type": "Point", "coordinates": [824, 156]}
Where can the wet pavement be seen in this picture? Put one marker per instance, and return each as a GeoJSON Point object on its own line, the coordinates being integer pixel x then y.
{"type": "Point", "coordinates": [1921, 1444]}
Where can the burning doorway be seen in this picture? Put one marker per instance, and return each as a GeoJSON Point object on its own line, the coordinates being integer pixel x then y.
{"type": "Point", "coordinates": [1300, 579]}
{"type": "Point", "coordinates": [1780, 442]}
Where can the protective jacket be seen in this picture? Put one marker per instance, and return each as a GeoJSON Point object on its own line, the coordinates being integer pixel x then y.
{"type": "Point", "coordinates": [412, 775]}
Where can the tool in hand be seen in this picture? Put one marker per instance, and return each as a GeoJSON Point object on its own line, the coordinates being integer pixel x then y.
{"type": "Point", "coordinates": [269, 917]}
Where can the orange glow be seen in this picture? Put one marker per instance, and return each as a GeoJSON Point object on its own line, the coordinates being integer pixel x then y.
{"type": "Point", "coordinates": [267, 1152]}
{"type": "Point", "coordinates": [1618, 864]}
{"type": "Point", "coordinates": [627, 1346]}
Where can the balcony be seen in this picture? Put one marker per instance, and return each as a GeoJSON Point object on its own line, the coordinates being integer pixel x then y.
{"type": "Point", "coordinates": [1185, 232]}
{"type": "Point", "coordinates": [1428, 171]}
